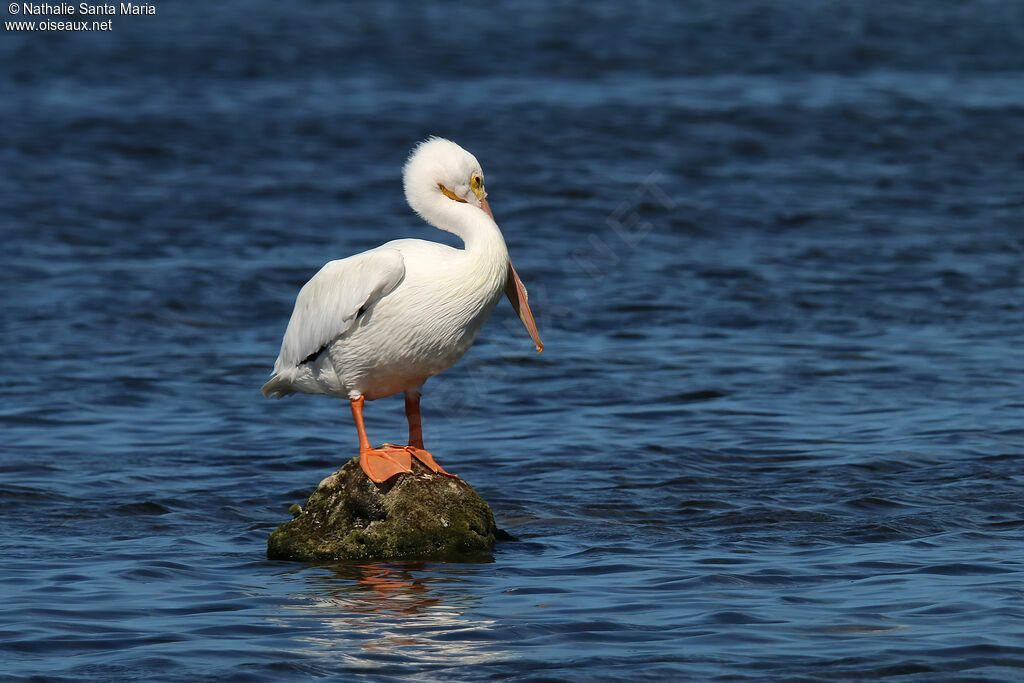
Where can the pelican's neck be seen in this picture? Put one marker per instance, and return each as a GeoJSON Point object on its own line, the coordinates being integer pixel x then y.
{"type": "Point", "coordinates": [474, 227]}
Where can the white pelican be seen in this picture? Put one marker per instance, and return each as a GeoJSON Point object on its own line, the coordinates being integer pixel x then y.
{"type": "Point", "coordinates": [383, 321]}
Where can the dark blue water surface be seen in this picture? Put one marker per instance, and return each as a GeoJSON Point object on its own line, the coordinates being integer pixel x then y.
{"type": "Point", "coordinates": [776, 252]}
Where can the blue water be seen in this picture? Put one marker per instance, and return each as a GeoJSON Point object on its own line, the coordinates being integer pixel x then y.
{"type": "Point", "coordinates": [776, 253]}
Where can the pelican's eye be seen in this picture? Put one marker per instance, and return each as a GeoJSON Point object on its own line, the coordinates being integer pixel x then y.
{"type": "Point", "coordinates": [477, 182]}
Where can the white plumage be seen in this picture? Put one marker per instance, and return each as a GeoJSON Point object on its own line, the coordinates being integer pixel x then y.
{"type": "Point", "coordinates": [329, 304]}
{"type": "Point", "coordinates": [383, 321]}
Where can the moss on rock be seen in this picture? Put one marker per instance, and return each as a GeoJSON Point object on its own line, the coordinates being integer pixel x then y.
{"type": "Point", "coordinates": [418, 516]}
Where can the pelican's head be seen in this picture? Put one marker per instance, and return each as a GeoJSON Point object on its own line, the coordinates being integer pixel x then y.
{"type": "Point", "coordinates": [437, 170]}
{"type": "Point", "coordinates": [445, 186]}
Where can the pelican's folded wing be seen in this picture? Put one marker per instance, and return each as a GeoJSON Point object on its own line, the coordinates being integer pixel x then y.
{"type": "Point", "coordinates": [329, 304]}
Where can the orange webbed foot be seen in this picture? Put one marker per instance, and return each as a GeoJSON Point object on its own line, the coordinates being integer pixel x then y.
{"type": "Point", "coordinates": [426, 458]}
{"type": "Point", "coordinates": [380, 464]}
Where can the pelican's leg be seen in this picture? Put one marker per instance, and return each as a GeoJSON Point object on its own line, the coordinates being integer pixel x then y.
{"type": "Point", "coordinates": [379, 464]}
{"type": "Point", "coordinates": [412, 412]}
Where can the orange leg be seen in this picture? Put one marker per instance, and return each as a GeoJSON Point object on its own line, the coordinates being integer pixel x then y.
{"type": "Point", "coordinates": [379, 464]}
{"type": "Point", "coordinates": [412, 413]}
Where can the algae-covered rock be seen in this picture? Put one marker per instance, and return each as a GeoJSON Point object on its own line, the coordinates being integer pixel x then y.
{"type": "Point", "coordinates": [418, 516]}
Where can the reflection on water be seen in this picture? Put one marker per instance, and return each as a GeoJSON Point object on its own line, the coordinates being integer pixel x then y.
{"type": "Point", "coordinates": [397, 613]}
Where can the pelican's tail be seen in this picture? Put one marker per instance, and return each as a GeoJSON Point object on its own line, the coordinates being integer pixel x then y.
{"type": "Point", "coordinates": [279, 386]}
